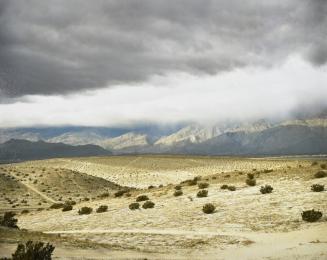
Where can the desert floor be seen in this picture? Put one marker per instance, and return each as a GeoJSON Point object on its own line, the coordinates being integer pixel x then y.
{"type": "Point", "coordinates": [245, 225]}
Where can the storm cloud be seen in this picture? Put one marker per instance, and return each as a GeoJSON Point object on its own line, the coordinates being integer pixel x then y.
{"type": "Point", "coordinates": [58, 47]}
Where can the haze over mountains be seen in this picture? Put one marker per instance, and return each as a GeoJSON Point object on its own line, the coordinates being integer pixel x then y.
{"type": "Point", "coordinates": [300, 136]}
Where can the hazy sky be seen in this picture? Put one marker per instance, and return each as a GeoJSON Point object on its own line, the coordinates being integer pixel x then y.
{"type": "Point", "coordinates": [130, 61]}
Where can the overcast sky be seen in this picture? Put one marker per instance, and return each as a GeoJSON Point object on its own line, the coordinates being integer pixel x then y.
{"type": "Point", "coordinates": [113, 63]}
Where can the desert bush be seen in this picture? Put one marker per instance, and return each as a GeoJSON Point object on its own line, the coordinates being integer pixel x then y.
{"type": "Point", "coordinates": [148, 205]}
{"type": "Point", "coordinates": [151, 187]}
{"type": "Point", "coordinates": [192, 182]}
{"type": "Point", "coordinates": [266, 189]}
{"type": "Point", "coordinates": [320, 174]}
{"type": "Point", "coordinates": [250, 176]}
{"type": "Point", "coordinates": [314, 163]}
{"type": "Point", "coordinates": [203, 185]}
{"type": "Point", "coordinates": [102, 208]}
{"type": "Point", "coordinates": [178, 193]}
{"type": "Point", "coordinates": [311, 215]}
{"type": "Point", "coordinates": [134, 206]}
{"type": "Point", "coordinates": [323, 166]}
{"type": "Point", "coordinates": [231, 188]}
{"type": "Point", "coordinates": [250, 182]}
{"type": "Point", "coordinates": [202, 193]}
{"type": "Point", "coordinates": [178, 187]}
{"type": "Point", "coordinates": [224, 186]}
{"type": "Point", "coordinates": [142, 198]}
{"type": "Point", "coordinates": [208, 208]}
{"type": "Point", "coordinates": [33, 250]}
{"type": "Point", "coordinates": [120, 193]}
{"type": "Point", "coordinates": [57, 206]}
{"type": "Point", "coordinates": [85, 211]}
{"type": "Point", "coordinates": [67, 207]}
{"type": "Point", "coordinates": [267, 171]}
{"type": "Point", "coordinates": [128, 195]}
{"type": "Point", "coordinates": [317, 187]}
{"type": "Point", "coordinates": [25, 211]}
{"type": "Point", "coordinates": [8, 220]}
{"type": "Point", "coordinates": [104, 195]}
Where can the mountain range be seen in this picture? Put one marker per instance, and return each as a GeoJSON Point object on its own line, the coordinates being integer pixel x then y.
{"type": "Point", "coordinates": [299, 136]}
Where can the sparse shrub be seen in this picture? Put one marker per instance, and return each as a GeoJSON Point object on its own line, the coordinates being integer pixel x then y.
{"type": "Point", "coordinates": [203, 185]}
{"type": "Point", "coordinates": [250, 176]}
{"type": "Point", "coordinates": [224, 187]}
{"type": "Point", "coordinates": [70, 202]}
{"type": "Point", "coordinates": [151, 187]}
{"type": "Point", "coordinates": [85, 211]}
{"type": "Point", "coordinates": [142, 198]}
{"type": "Point", "coordinates": [102, 208]}
{"type": "Point", "coordinates": [148, 205]}
{"type": "Point", "coordinates": [250, 182]}
{"type": "Point", "coordinates": [208, 208]}
{"type": "Point", "coordinates": [268, 170]}
{"type": "Point", "coordinates": [314, 163]}
{"type": "Point", "coordinates": [134, 205]}
{"type": "Point", "coordinates": [202, 193]}
{"type": "Point", "coordinates": [8, 220]}
{"type": "Point", "coordinates": [33, 250]}
{"type": "Point", "coordinates": [311, 215]}
{"type": "Point", "coordinates": [67, 207]}
{"type": "Point", "coordinates": [231, 188]}
{"type": "Point", "coordinates": [25, 211]}
{"type": "Point", "coordinates": [320, 174]}
{"type": "Point", "coordinates": [192, 182]}
{"type": "Point", "coordinates": [266, 189]}
{"type": "Point", "coordinates": [128, 195]}
{"type": "Point", "coordinates": [104, 195]}
{"type": "Point", "coordinates": [178, 187]}
{"type": "Point", "coordinates": [214, 177]}
{"type": "Point", "coordinates": [178, 193]}
{"type": "Point", "coordinates": [120, 193]}
{"type": "Point", "coordinates": [57, 206]}
{"type": "Point", "coordinates": [323, 166]}
{"type": "Point", "coordinates": [317, 187]}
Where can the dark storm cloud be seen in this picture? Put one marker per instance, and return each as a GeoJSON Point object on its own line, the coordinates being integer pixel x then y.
{"type": "Point", "coordinates": [55, 47]}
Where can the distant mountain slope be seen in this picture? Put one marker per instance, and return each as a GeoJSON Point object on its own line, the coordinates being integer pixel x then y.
{"type": "Point", "coordinates": [19, 150]}
{"type": "Point", "coordinates": [279, 140]}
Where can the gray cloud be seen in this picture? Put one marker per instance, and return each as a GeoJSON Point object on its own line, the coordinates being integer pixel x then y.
{"type": "Point", "coordinates": [56, 47]}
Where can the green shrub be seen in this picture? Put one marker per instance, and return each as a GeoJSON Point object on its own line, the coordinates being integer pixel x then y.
{"type": "Point", "coordinates": [192, 182]}
{"type": "Point", "coordinates": [231, 188]}
{"type": "Point", "coordinates": [178, 193]}
{"type": "Point", "coordinates": [8, 220]}
{"type": "Point", "coordinates": [120, 193]}
{"type": "Point", "coordinates": [203, 185]}
{"type": "Point", "coordinates": [142, 198]}
{"type": "Point", "coordinates": [104, 195]}
{"type": "Point", "coordinates": [134, 206]}
{"type": "Point", "coordinates": [208, 208]}
{"type": "Point", "coordinates": [266, 189]}
{"type": "Point", "coordinates": [85, 211]}
{"type": "Point", "coordinates": [67, 207]}
{"type": "Point", "coordinates": [33, 251]}
{"type": "Point", "coordinates": [57, 206]}
{"type": "Point", "coordinates": [178, 187]}
{"type": "Point", "coordinates": [148, 205]}
{"type": "Point", "coordinates": [311, 215]}
{"type": "Point", "coordinates": [250, 182]}
{"type": "Point", "coordinates": [317, 187]}
{"type": "Point", "coordinates": [102, 208]}
{"type": "Point", "coordinates": [224, 186]}
{"type": "Point", "coordinates": [320, 174]}
{"type": "Point", "coordinates": [202, 193]}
